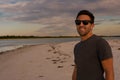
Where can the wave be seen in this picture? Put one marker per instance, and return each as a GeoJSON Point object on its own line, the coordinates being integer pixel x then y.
{"type": "Point", "coordinates": [9, 48]}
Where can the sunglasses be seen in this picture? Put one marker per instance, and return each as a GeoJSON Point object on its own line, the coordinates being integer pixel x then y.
{"type": "Point", "coordinates": [85, 22]}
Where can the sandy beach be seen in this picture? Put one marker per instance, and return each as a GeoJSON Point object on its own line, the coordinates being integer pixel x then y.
{"type": "Point", "coordinates": [46, 62]}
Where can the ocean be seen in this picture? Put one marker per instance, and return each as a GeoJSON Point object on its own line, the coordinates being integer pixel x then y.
{"type": "Point", "coordinates": [11, 44]}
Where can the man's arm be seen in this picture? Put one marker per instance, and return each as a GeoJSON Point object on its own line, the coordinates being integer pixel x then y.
{"type": "Point", "coordinates": [74, 73]}
{"type": "Point", "coordinates": [108, 68]}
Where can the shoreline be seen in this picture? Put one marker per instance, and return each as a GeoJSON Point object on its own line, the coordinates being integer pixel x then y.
{"type": "Point", "coordinates": [14, 48]}
{"type": "Point", "coordinates": [5, 47]}
{"type": "Point", "coordinates": [38, 62]}
{"type": "Point", "coordinates": [51, 61]}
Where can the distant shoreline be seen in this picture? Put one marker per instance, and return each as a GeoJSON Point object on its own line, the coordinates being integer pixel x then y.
{"type": "Point", "coordinates": [27, 37]}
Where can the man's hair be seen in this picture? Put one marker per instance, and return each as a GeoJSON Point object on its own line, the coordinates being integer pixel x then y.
{"type": "Point", "coordinates": [86, 12]}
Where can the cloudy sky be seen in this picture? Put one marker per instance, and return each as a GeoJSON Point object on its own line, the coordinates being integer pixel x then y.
{"type": "Point", "coordinates": [56, 17]}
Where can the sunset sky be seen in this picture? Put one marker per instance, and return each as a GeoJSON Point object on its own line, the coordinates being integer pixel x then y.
{"type": "Point", "coordinates": [56, 17]}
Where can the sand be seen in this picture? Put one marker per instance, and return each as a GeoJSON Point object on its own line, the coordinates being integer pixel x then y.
{"type": "Point", "coordinates": [46, 62]}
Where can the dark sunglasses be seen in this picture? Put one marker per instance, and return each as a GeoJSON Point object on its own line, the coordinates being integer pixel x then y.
{"type": "Point", "coordinates": [85, 22]}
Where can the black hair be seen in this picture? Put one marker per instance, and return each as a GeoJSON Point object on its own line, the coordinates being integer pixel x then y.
{"type": "Point", "coordinates": [86, 12]}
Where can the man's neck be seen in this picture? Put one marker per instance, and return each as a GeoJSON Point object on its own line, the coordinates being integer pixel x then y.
{"type": "Point", "coordinates": [83, 38]}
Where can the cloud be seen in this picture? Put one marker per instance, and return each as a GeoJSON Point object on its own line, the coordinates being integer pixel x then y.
{"type": "Point", "coordinates": [39, 9]}
{"type": "Point", "coordinates": [12, 1]}
{"type": "Point", "coordinates": [114, 19]}
{"type": "Point", "coordinates": [99, 22]}
{"type": "Point", "coordinates": [55, 14]}
{"type": "Point", "coordinates": [57, 30]}
{"type": "Point", "coordinates": [103, 7]}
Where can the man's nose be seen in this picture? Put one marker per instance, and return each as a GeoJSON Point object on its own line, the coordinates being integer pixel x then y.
{"type": "Point", "coordinates": [81, 25]}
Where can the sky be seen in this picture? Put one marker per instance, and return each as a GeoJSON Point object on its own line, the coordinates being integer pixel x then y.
{"type": "Point", "coordinates": [56, 17]}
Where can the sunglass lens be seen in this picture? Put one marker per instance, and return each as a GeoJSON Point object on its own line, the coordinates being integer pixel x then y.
{"type": "Point", "coordinates": [85, 22]}
{"type": "Point", "coordinates": [77, 22]}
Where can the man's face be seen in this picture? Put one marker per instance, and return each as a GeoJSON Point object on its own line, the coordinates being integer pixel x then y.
{"type": "Point", "coordinates": [84, 29]}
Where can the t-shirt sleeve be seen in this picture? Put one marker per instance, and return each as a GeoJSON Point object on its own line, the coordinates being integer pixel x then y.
{"type": "Point", "coordinates": [104, 50]}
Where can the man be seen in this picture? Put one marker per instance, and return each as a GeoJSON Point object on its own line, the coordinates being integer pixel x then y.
{"type": "Point", "coordinates": [93, 55]}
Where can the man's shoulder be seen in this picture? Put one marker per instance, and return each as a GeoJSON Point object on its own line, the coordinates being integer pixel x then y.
{"type": "Point", "coordinates": [99, 38]}
{"type": "Point", "coordinates": [77, 44]}
{"type": "Point", "coordinates": [101, 41]}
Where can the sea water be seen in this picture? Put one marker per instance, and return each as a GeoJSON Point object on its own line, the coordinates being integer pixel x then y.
{"type": "Point", "coordinates": [11, 44]}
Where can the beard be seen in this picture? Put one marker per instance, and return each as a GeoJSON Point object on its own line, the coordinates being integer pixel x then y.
{"type": "Point", "coordinates": [83, 32]}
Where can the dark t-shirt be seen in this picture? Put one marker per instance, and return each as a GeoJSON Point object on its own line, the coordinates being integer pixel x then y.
{"type": "Point", "coordinates": [88, 56]}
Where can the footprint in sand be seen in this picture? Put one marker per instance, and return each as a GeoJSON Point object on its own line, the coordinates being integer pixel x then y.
{"type": "Point", "coordinates": [40, 76]}
{"type": "Point", "coordinates": [60, 66]}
